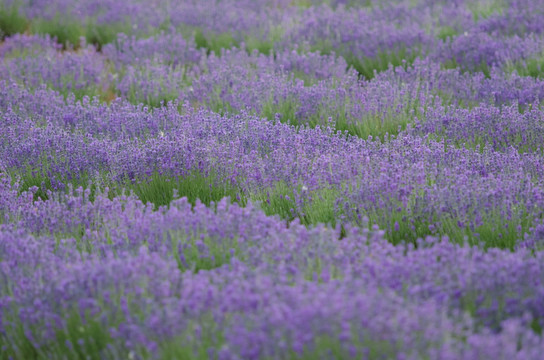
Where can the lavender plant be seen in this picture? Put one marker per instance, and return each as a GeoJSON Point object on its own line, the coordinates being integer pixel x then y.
{"type": "Point", "coordinates": [271, 179]}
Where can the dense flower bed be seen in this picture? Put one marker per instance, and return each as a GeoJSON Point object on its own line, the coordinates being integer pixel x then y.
{"type": "Point", "coordinates": [271, 179]}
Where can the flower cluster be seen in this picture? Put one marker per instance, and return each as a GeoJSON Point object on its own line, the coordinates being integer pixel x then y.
{"type": "Point", "coordinates": [271, 179]}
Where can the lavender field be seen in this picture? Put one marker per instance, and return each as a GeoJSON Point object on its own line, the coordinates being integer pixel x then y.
{"type": "Point", "coordinates": [272, 179]}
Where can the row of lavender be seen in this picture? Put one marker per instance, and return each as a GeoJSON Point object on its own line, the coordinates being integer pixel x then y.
{"type": "Point", "coordinates": [446, 147]}
{"type": "Point", "coordinates": [410, 185]}
{"type": "Point", "coordinates": [295, 87]}
{"type": "Point", "coordinates": [111, 279]}
{"type": "Point", "coordinates": [364, 33]}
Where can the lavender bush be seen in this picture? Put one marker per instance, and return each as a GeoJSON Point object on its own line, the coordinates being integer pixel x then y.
{"type": "Point", "coordinates": [271, 179]}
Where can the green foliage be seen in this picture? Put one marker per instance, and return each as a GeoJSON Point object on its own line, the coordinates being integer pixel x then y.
{"type": "Point", "coordinates": [265, 43]}
{"type": "Point", "coordinates": [157, 189]}
{"type": "Point", "coordinates": [263, 46]}
{"type": "Point", "coordinates": [536, 326]}
{"type": "Point", "coordinates": [304, 4]}
{"type": "Point", "coordinates": [308, 80]}
{"type": "Point", "coordinates": [286, 110]}
{"type": "Point", "coordinates": [67, 32]}
{"type": "Point", "coordinates": [45, 182]}
{"type": "Point", "coordinates": [330, 347]}
{"type": "Point", "coordinates": [366, 67]}
{"type": "Point", "coordinates": [446, 32]}
{"type": "Point", "coordinates": [11, 21]}
{"type": "Point", "coordinates": [69, 87]}
{"type": "Point", "coordinates": [208, 188]}
{"type": "Point", "coordinates": [82, 337]}
{"type": "Point", "coordinates": [370, 125]}
{"type": "Point", "coordinates": [380, 126]}
{"type": "Point", "coordinates": [533, 67]}
{"type": "Point", "coordinates": [449, 98]}
{"type": "Point", "coordinates": [164, 91]}
{"type": "Point", "coordinates": [200, 335]}
{"type": "Point", "coordinates": [214, 42]}
{"type": "Point", "coordinates": [407, 223]}
{"type": "Point", "coordinates": [486, 8]}
{"type": "Point", "coordinates": [102, 34]}
{"type": "Point", "coordinates": [309, 206]}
